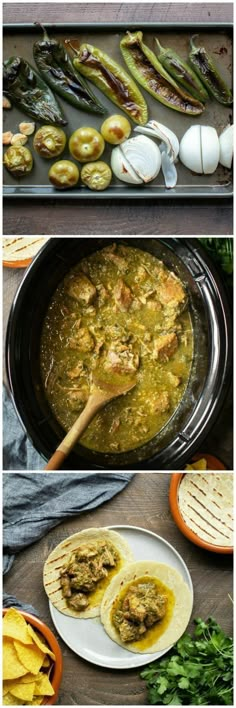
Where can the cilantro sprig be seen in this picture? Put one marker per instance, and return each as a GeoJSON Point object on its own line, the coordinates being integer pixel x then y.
{"type": "Point", "coordinates": [197, 671]}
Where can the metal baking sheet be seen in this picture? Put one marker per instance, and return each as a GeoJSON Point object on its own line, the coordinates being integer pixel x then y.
{"type": "Point", "coordinates": [217, 38]}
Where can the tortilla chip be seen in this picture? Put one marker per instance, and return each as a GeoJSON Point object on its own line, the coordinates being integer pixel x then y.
{"type": "Point", "coordinates": [15, 626]}
{"type": "Point", "coordinates": [23, 691]}
{"type": "Point", "coordinates": [31, 657]}
{"type": "Point", "coordinates": [37, 700]}
{"type": "Point", "coordinates": [200, 464]}
{"type": "Point", "coordinates": [12, 665]}
{"type": "Point", "coordinates": [43, 646]}
{"type": "Point", "coordinates": [43, 686]}
{"type": "Point", "coordinates": [10, 700]}
{"type": "Point", "coordinates": [46, 662]}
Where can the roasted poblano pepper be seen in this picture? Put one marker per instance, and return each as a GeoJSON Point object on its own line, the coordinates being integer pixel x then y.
{"type": "Point", "coordinates": [205, 68]}
{"type": "Point", "coordinates": [57, 70]}
{"type": "Point", "coordinates": [29, 92]}
{"type": "Point", "coordinates": [113, 80]}
{"type": "Point", "coordinates": [148, 71]}
{"type": "Point", "coordinates": [181, 72]}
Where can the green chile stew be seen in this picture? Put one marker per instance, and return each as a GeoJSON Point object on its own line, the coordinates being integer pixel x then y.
{"type": "Point", "coordinates": [121, 310]}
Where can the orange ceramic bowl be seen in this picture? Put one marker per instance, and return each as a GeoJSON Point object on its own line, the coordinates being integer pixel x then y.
{"type": "Point", "coordinates": [213, 463]}
{"type": "Point", "coordinates": [56, 674]}
{"type": "Point", "coordinates": [17, 264]}
{"type": "Point", "coordinates": [178, 518]}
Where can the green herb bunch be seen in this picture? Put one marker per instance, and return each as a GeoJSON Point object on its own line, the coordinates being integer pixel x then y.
{"type": "Point", "coordinates": [221, 251]}
{"type": "Point", "coordinates": [197, 671]}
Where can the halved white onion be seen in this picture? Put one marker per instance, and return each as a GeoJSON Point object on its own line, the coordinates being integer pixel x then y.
{"type": "Point", "coordinates": [200, 149]}
{"type": "Point", "coordinates": [227, 146]}
{"type": "Point", "coordinates": [168, 168]}
{"type": "Point", "coordinates": [137, 160]}
{"type": "Point", "coordinates": [158, 130]}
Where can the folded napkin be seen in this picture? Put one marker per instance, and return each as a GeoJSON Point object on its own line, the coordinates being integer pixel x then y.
{"type": "Point", "coordinates": [34, 504]}
{"type": "Point", "coordinates": [18, 452]}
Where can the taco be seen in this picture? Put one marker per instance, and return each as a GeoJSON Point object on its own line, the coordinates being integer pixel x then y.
{"type": "Point", "coordinates": [78, 571]}
{"type": "Point", "coordinates": [146, 607]}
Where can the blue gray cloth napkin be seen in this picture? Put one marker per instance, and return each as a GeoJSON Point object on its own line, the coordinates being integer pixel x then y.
{"type": "Point", "coordinates": [18, 452]}
{"type": "Point", "coordinates": [34, 504]}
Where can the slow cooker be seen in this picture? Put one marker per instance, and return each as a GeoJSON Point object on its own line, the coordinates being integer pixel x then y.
{"type": "Point", "coordinates": [211, 368]}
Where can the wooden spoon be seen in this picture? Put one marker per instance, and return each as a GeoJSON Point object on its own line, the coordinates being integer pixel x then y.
{"type": "Point", "coordinates": [101, 393]}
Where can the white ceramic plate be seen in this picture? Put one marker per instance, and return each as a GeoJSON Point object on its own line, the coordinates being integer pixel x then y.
{"type": "Point", "coordinates": [87, 638]}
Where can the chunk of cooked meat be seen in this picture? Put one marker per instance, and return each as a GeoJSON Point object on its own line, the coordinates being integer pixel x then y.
{"type": "Point", "coordinates": [110, 254]}
{"type": "Point", "coordinates": [81, 289]}
{"type": "Point", "coordinates": [122, 362]}
{"type": "Point", "coordinates": [170, 290]}
{"type": "Point", "coordinates": [108, 557]}
{"type": "Point", "coordinates": [130, 632]}
{"type": "Point", "coordinates": [65, 584]}
{"type": "Point", "coordinates": [78, 601]}
{"type": "Point", "coordinates": [84, 578]}
{"type": "Point", "coordinates": [136, 610]}
{"type": "Point", "coordinates": [77, 397]}
{"type": "Point", "coordinates": [162, 403]}
{"type": "Point", "coordinates": [165, 346]}
{"type": "Point", "coordinates": [76, 372]}
{"type": "Point", "coordinates": [140, 609]}
{"type": "Point", "coordinates": [173, 379]}
{"type": "Point", "coordinates": [122, 295]}
{"type": "Point", "coordinates": [83, 341]}
{"type": "Point", "coordinates": [85, 552]}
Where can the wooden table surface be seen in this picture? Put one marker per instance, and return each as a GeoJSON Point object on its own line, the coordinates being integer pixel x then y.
{"type": "Point", "coordinates": [144, 502]}
{"type": "Point", "coordinates": [204, 217]}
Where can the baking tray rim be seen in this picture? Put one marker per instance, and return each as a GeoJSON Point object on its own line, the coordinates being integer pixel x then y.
{"type": "Point", "coordinates": [21, 192]}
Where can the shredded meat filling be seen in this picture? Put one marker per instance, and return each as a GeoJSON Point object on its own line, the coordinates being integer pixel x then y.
{"type": "Point", "coordinates": [86, 567]}
{"type": "Point", "coordinates": [139, 610]}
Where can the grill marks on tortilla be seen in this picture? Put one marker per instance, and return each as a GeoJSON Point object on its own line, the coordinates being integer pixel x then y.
{"type": "Point", "coordinates": [21, 248]}
{"type": "Point", "coordinates": [205, 502]}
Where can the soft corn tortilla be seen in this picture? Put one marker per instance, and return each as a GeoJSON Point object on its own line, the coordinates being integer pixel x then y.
{"type": "Point", "coordinates": [60, 556]}
{"type": "Point", "coordinates": [181, 611]}
{"type": "Point", "coordinates": [20, 249]}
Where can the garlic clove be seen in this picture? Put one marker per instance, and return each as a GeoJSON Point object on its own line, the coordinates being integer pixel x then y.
{"type": "Point", "coordinates": [19, 139]}
{"type": "Point", "coordinates": [158, 130]}
{"type": "Point", "coordinates": [210, 149]}
{"type": "Point", "coordinates": [26, 128]}
{"type": "Point", "coordinates": [226, 140]}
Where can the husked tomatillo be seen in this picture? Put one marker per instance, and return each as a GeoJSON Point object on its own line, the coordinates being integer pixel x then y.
{"type": "Point", "coordinates": [18, 160]}
{"type": "Point", "coordinates": [96, 175]}
{"type": "Point", "coordinates": [86, 144]}
{"type": "Point", "coordinates": [63, 174]}
{"type": "Point", "coordinates": [49, 141]}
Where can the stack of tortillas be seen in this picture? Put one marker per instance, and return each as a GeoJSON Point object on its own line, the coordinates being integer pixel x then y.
{"type": "Point", "coordinates": [18, 252]}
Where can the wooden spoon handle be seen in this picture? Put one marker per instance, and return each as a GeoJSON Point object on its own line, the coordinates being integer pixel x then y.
{"type": "Point", "coordinates": [93, 404]}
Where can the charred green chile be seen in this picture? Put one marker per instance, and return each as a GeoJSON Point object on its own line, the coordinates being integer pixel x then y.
{"type": "Point", "coordinates": [149, 72]}
{"type": "Point", "coordinates": [181, 72]}
{"type": "Point", "coordinates": [56, 68]}
{"type": "Point", "coordinates": [113, 80]}
{"type": "Point", "coordinates": [28, 91]}
{"type": "Point", "coordinates": [205, 68]}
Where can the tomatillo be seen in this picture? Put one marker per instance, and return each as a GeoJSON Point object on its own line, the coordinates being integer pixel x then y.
{"type": "Point", "coordinates": [49, 141]}
{"type": "Point", "coordinates": [63, 174]}
{"type": "Point", "coordinates": [86, 144]}
{"type": "Point", "coordinates": [115, 129]}
{"type": "Point", "coordinates": [18, 160]}
{"type": "Point", "coordinates": [96, 175]}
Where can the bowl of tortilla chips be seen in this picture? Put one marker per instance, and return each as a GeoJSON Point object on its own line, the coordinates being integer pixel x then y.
{"type": "Point", "coordinates": [32, 660]}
